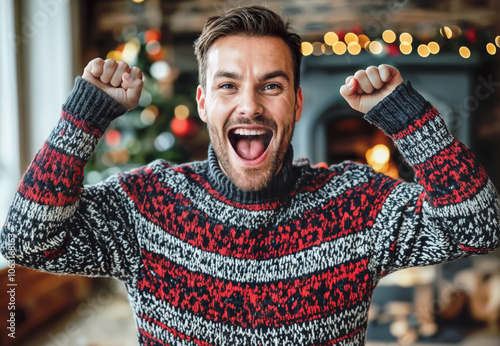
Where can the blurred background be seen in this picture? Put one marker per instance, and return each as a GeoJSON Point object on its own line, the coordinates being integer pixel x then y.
{"type": "Point", "coordinates": [448, 49]}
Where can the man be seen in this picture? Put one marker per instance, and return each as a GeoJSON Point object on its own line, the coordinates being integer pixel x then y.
{"type": "Point", "coordinates": [247, 248]}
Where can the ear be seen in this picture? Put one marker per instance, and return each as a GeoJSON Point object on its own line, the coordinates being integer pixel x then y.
{"type": "Point", "coordinates": [298, 104]}
{"type": "Point", "coordinates": [200, 100]}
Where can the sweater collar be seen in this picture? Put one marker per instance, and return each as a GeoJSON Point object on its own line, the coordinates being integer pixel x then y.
{"type": "Point", "coordinates": [280, 186]}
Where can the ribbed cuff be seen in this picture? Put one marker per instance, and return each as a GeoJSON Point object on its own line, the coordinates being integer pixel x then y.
{"type": "Point", "coordinates": [92, 104]}
{"type": "Point", "coordinates": [401, 108]}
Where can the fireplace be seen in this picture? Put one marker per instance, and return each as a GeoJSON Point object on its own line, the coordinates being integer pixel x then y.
{"type": "Point", "coordinates": [330, 131]}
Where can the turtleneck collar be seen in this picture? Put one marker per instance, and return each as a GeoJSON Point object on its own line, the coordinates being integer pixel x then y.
{"type": "Point", "coordinates": [280, 186]}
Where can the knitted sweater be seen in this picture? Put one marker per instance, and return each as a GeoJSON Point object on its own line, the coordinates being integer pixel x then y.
{"type": "Point", "coordinates": [207, 264]}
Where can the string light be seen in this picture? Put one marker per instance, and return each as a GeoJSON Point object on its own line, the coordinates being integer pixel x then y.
{"type": "Point", "coordinates": [330, 38]}
{"type": "Point", "coordinates": [339, 48]}
{"type": "Point", "coordinates": [376, 47]}
{"type": "Point", "coordinates": [364, 41]}
{"type": "Point", "coordinates": [405, 48]}
{"type": "Point", "coordinates": [491, 48]}
{"type": "Point", "coordinates": [317, 48]}
{"type": "Point", "coordinates": [423, 50]}
{"type": "Point", "coordinates": [354, 48]}
{"type": "Point", "coordinates": [433, 47]}
{"type": "Point", "coordinates": [307, 48]}
{"type": "Point", "coordinates": [389, 36]}
{"type": "Point", "coordinates": [464, 52]}
{"type": "Point", "coordinates": [446, 32]}
{"type": "Point", "coordinates": [405, 37]}
{"type": "Point", "coordinates": [354, 43]}
{"type": "Point", "coordinates": [326, 49]}
{"type": "Point", "coordinates": [456, 31]}
{"type": "Point", "coordinates": [350, 37]}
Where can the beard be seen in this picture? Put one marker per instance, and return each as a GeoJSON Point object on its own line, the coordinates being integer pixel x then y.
{"type": "Point", "coordinates": [251, 178]}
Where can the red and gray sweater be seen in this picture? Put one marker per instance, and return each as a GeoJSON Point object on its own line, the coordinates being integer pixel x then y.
{"type": "Point", "coordinates": [207, 264]}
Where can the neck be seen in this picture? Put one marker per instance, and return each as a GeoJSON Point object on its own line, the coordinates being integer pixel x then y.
{"type": "Point", "coordinates": [279, 187]}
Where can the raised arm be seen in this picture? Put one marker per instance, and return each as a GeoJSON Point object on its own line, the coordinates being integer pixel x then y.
{"type": "Point", "coordinates": [55, 223]}
{"type": "Point", "coordinates": [453, 210]}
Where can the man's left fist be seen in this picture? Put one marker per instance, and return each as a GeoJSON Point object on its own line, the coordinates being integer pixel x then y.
{"type": "Point", "coordinates": [368, 87]}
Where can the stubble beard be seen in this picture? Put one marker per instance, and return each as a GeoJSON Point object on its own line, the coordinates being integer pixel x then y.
{"type": "Point", "coordinates": [250, 179]}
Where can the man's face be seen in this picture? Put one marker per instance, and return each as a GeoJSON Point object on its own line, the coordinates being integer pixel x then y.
{"type": "Point", "coordinates": [250, 107]}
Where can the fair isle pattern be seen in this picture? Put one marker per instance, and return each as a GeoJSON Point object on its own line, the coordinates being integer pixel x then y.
{"type": "Point", "coordinates": [203, 267]}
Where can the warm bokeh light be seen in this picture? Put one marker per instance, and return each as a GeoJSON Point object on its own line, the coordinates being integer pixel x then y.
{"type": "Point", "coordinates": [138, 1]}
{"type": "Point", "coordinates": [326, 49]}
{"type": "Point", "coordinates": [181, 112]}
{"type": "Point", "coordinates": [456, 31]}
{"type": "Point", "coordinates": [350, 37]}
{"type": "Point", "coordinates": [307, 48]}
{"type": "Point", "coordinates": [339, 48]}
{"type": "Point", "coordinates": [405, 48]}
{"type": "Point", "coordinates": [389, 36]}
{"type": "Point", "coordinates": [446, 32]}
{"type": "Point", "coordinates": [330, 38]}
{"type": "Point", "coordinates": [378, 157]}
{"type": "Point", "coordinates": [423, 50]}
{"type": "Point", "coordinates": [376, 47]}
{"type": "Point", "coordinates": [114, 54]}
{"type": "Point", "coordinates": [464, 52]}
{"type": "Point", "coordinates": [433, 47]}
{"type": "Point", "coordinates": [354, 48]}
{"type": "Point", "coordinates": [364, 41]}
{"type": "Point", "coordinates": [317, 48]}
{"type": "Point", "coordinates": [497, 41]}
{"type": "Point", "coordinates": [491, 48]}
{"type": "Point", "coordinates": [130, 51]}
{"type": "Point", "coordinates": [405, 37]}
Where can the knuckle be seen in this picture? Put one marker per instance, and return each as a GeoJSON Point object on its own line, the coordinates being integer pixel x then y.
{"type": "Point", "coordinates": [110, 62]}
{"type": "Point", "coordinates": [359, 74]}
{"type": "Point", "coordinates": [123, 65]}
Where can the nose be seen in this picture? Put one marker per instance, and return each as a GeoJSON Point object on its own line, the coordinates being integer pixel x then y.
{"type": "Point", "coordinates": [249, 103]}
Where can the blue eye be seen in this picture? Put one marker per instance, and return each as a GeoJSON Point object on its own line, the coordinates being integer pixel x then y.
{"type": "Point", "coordinates": [227, 86]}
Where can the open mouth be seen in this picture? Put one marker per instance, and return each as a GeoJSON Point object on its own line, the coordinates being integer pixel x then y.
{"type": "Point", "coordinates": [250, 144]}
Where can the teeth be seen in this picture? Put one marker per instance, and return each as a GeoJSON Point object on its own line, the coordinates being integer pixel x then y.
{"type": "Point", "coordinates": [243, 132]}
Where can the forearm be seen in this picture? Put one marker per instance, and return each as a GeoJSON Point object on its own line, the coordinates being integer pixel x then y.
{"type": "Point", "coordinates": [457, 208]}
{"type": "Point", "coordinates": [48, 214]}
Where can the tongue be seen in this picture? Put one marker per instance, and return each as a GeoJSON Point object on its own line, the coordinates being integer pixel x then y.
{"type": "Point", "coordinates": [250, 149]}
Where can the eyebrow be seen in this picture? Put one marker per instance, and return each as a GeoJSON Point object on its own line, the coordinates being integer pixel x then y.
{"type": "Point", "coordinates": [263, 78]}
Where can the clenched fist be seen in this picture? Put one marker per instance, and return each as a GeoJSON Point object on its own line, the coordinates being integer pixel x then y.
{"type": "Point", "coordinates": [118, 80]}
{"type": "Point", "coordinates": [368, 87]}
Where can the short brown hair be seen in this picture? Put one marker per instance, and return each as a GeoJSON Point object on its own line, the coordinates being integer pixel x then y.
{"type": "Point", "coordinates": [247, 21]}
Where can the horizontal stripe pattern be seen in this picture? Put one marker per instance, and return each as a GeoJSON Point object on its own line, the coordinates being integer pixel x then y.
{"type": "Point", "coordinates": [314, 259]}
{"type": "Point", "coordinates": [311, 332]}
{"type": "Point", "coordinates": [258, 239]}
{"type": "Point", "coordinates": [53, 178]}
{"type": "Point", "coordinates": [452, 176]}
{"type": "Point", "coordinates": [426, 140]}
{"type": "Point", "coordinates": [256, 305]}
{"type": "Point", "coordinates": [71, 140]}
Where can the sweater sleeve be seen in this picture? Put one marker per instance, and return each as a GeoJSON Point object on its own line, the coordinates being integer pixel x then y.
{"type": "Point", "coordinates": [452, 210]}
{"type": "Point", "coordinates": [55, 223]}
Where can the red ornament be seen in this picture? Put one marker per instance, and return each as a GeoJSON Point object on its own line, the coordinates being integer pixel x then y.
{"type": "Point", "coordinates": [184, 127]}
{"type": "Point", "coordinates": [471, 35]}
{"type": "Point", "coordinates": [341, 34]}
{"type": "Point", "coordinates": [392, 49]}
{"type": "Point", "coordinates": [357, 29]}
{"type": "Point", "coordinates": [152, 35]}
{"type": "Point", "coordinates": [113, 138]}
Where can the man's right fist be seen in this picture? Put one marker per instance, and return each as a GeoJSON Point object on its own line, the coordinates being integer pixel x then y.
{"type": "Point", "coordinates": [118, 80]}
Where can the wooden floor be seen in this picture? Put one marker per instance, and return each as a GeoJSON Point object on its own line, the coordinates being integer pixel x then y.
{"type": "Point", "coordinates": [105, 319]}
